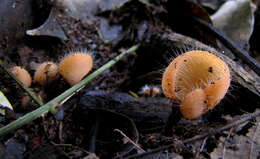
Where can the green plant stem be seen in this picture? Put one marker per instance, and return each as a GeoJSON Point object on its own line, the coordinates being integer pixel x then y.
{"type": "Point", "coordinates": [26, 89]}
{"type": "Point", "coordinates": [64, 96]}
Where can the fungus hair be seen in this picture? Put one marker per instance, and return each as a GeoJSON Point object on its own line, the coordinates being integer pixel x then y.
{"type": "Point", "coordinates": [22, 75]}
{"type": "Point", "coordinates": [75, 66]}
{"type": "Point", "coordinates": [192, 73]}
{"type": "Point", "coordinates": [46, 73]}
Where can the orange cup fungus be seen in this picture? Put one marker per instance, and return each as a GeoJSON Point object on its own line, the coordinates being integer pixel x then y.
{"type": "Point", "coordinates": [75, 66]}
{"type": "Point", "coordinates": [198, 80]}
{"type": "Point", "coordinates": [46, 73]}
{"type": "Point", "coordinates": [22, 75]}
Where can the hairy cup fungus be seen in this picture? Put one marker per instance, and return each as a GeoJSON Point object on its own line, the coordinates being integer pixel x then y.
{"type": "Point", "coordinates": [75, 66]}
{"type": "Point", "coordinates": [198, 80]}
{"type": "Point", "coordinates": [46, 73]}
{"type": "Point", "coordinates": [22, 75]}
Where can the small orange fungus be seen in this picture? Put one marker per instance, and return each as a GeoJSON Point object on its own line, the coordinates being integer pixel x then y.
{"type": "Point", "coordinates": [22, 75]}
{"type": "Point", "coordinates": [46, 73]}
{"type": "Point", "coordinates": [198, 80]}
{"type": "Point", "coordinates": [75, 66]}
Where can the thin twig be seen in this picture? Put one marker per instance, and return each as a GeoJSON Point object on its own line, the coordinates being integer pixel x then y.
{"type": "Point", "coordinates": [129, 140]}
{"type": "Point", "coordinates": [224, 144]}
{"type": "Point", "coordinates": [61, 132]}
{"type": "Point", "coordinates": [199, 137]}
{"type": "Point", "coordinates": [203, 144]}
{"type": "Point", "coordinates": [72, 146]}
{"type": "Point", "coordinates": [254, 140]}
{"type": "Point", "coordinates": [26, 89]}
{"type": "Point", "coordinates": [201, 148]}
{"type": "Point", "coordinates": [56, 101]}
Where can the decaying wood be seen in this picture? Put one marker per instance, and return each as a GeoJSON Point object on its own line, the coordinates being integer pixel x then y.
{"type": "Point", "coordinates": [150, 112]}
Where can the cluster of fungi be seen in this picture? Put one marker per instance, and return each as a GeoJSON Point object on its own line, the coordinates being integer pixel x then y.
{"type": "Point", "coordinates": [72, 68]}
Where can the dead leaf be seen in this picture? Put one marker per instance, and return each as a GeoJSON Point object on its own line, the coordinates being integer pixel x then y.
{"type": "Point", "coordinates": [83, 10]}
{"type": "Point", "coordinates": [236, 19]}
{"type": "Point", "coordinates": [212, 4]}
